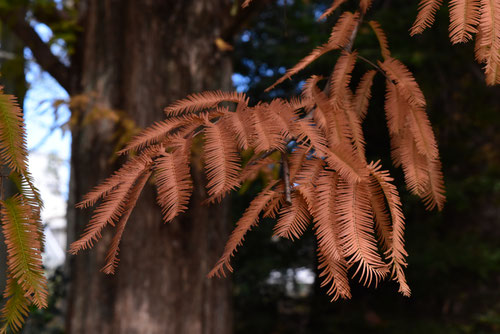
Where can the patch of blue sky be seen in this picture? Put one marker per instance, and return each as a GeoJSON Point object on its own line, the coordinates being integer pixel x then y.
{"type": "Point", "coordinates": [44, 122]}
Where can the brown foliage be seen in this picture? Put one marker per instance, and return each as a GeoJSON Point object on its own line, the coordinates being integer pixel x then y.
{"type": "Point", "coordinates": [326, 181]}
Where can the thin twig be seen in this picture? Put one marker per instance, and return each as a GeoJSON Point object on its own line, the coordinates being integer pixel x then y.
{"type": "Point", "coordinates": [286, 178]}
{"type": "Point", "coordinates": [374, 65]}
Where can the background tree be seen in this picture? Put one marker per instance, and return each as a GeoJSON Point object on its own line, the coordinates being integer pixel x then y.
{"type": "Point", "coordinates": [135, 58]}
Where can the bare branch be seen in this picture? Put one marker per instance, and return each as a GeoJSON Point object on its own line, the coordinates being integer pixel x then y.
{"type": "Point", "coordinates": [16, 20]}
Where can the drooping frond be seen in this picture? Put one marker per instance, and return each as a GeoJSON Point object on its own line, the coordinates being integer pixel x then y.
{"type": "Point", "coordinates": [204, 100]}
{"type": "Point", "coordinates": [24, 258]}
{"type": "Point", "coordinates": [405, 82]}
{"type": "Point", "coordinates": [12, 134]}
{"type": "Point", "coordinates": [222, 161]}
{"type": "Point", "coordinates": [338, 131]}
{"type": "Point", "coordinates": [249, 219]}
{"type": "Point", "coordinates": [414, 164]}
{"type": "Point", "coordinates": [240, 123]}
{"type": "Point", "coordinates": [173, 181]}
{"type": "Point", "coordinates": [331, 261]}
{"type": "Point", "coordinates": [293, 219]}
{"type": "Point", "coordinates": [335, 4]}
{"type": "Point", "coordinates": [341, 33]}
{"type": "Point", "coordinates": [296, 159]}
{"type": "Point", "coordinates": [426, 11]}
{"type": "Point", "coordinates": [363, 94]}
{"type": "Point", "coordinates": [396, 252]}
{"type": "Point", "coordinates": [282, 115]}
{"type": "Point", "coordinates": [306, 131]}
{"type": "Point", "coordinates": [480, 49]}
{"type": "Point", "coordinates": [358, 138]}
{"type": "Point", "coordinates": [464, 18]}
{"type": "Point", "coordinates": [342, 159]}
{"type": "Point", "coordinates": [355, 220]}
{"type": "Point", "coordinates": [168, 129]}
{"type": "Point", "coordinates": [382, 39]}
{"type": "Point", "coordinates": [490, 39]}
{"type": "Point", "coordinates": [341, 78]}
{"type": "Point", "coordinates": [434, 195]}
{"type": "Point", "coordinates": [268, 133]}
{"type": "Point", "coordinates": [113, 206]}
{"type": "Point", "coordinates": [105, 187]}
{"type": "Point", "coordinates": [112, 256]}
{"type": "Point", "coordinates": [381, 217]}
{"type": "Point", "coordinates": [16, 307]}
{"type": "Point", "coordinates": [422, 132]}
{"type": "Point", "coordinates": [308, 172]}
{"type": "Point", "coordinates": [396, 109]}
{"type": "Point", "coordinates": [303, 63]}
{"type": "Point", "coordinates": [274, 205]}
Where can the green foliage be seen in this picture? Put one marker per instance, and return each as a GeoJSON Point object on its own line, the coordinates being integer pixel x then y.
{"type": "Point", "coordinates": [20, 216]}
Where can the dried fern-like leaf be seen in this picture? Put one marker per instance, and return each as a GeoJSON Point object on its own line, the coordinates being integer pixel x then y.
{"type": "Point", "coordinates": [16, 307]}
{"type": "Point", "coordinates": [204, 100]}
{"type": "Point", "coordinates": [174, 184]}
{"type": "Point", "coordinates": [241, 125]}
{"type": "Point", "coordinates": [308, 172]}
{"type": "Point", "coordinates": [426, 11]}
{"type": "Point", "coordinates": [105, 187]}
{"type": "Point", "coordinates": [422, 132]}
{"type": "Point", "coordinates": [268, 133]}
{"type": "Point", "coordinates": [343, 160]}
{"type": "Point", "coordinates": [169, 129]}
{"type": "Point", "coordinates": [489, 24]}
{"type": "Point", "coordinates": [382, 39]}
{"type": "Point", "coordinates": [112, 256]}
{"type": "Point", "coordinates": [396, 252]}
{"type": "Point", "coordinates": [296, 159]}
{"type": "Point", "coordinates": [335, 4]}
{"type": "Point", "coordinates": [338, 131]}
{"type": "Point", "coordinates": [303, 63]}
{"type": "Point", "coordinates": [363, 94]}
{"type": "Point", "coordinates": [358, 138]}
{"type": "Point", "coordinates": [250, 218]}
{"type": "Point", "coordinates": [355, 220]}
{"type": "Point", "coordinates": [381, 216]}
{"type": "Point", "coordinates": [24, 259]}
{"type": "Point", "coordinates": [12, 135]}
{"type": "Point", "coordinates": [113, 206]}
{"type": "Point", "coordinates": [434, 195]}
{"type": "Point", "coordinates": [404, 80]}
{"type": "Point", "coordinates": [396, 110]}
{"type": "Point", "coordinates": [293, 219]}
{"type": "Point", "coordinates": [332, 264]}
{"type": "Point", "coordinates": [414, 164]}
{"type": "Point", "coordinates": [341, 33]}
{"type": "Point", "coordinates": [305, 130]}
{"type": "Point", "coordinates": [341, 78]}
{"type": "Point", "coordinates": [222, 161]}
{"type": "Point", "coordinates": [464, 18]}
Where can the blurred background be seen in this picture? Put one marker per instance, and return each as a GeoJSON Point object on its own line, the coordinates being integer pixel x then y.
{"type": "Point", "coordinates": [454, 255]}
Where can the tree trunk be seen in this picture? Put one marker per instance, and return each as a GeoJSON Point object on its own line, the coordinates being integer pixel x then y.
{"type": "Point", "coordinates": [139, 56]}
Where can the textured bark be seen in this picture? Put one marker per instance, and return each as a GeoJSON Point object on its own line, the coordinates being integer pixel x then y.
{"type": "Point", "coordinates": [137, 57]}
